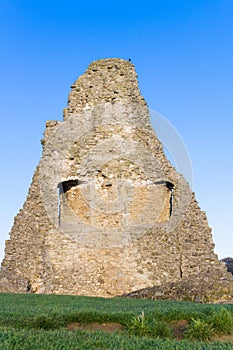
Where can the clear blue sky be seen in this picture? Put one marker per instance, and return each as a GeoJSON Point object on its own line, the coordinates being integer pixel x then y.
{"type": "Point", "coordinates": [183, 53]}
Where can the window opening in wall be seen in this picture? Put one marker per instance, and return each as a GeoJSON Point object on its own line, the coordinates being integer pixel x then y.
{"type": "Point", "coordinates": [171, 204]}
{"type": "Point", "coordinates": [170, 186]}
{"type": "Point", "coordinates": [169, 198]}
{"type": "Point", "coordinates": [67, 185]}
{"type": "Point", "coordinates": [63, 187]}
{"type": "Point", "coordinates": [59, 191]}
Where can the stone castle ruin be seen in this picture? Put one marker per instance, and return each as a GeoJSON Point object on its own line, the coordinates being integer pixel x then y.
{"type": "Point", "coordinates": [106, 213]}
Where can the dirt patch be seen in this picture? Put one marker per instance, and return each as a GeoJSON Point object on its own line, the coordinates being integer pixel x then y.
{"type": "Point", "coordinates": [179, 328]}
{"type": "Point", "coordinates": [223, 338]}
{"type": "Point", "coordinates": [107, 326]}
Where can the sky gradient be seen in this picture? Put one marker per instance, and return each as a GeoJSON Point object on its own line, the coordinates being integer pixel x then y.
{"type": "Point", "coordinates": [183, 54]}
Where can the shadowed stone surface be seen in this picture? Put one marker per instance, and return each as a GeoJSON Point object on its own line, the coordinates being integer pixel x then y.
{"type": "Point", "coordinates": [106, 213]}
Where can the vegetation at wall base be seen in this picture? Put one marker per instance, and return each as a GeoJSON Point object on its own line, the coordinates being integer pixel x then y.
{"type": "Point", "coordinates": [52, 322]}
{"type": "Point", "coordinates": [199, 330]}
{"type": "Point", "coordinates": [222, 321]}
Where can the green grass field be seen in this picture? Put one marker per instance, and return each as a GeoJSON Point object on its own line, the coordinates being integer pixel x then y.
{"type": "Point", "coordinates": [44, 322]}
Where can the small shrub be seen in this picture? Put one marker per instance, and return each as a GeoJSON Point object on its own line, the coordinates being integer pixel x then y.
{"type": "Point", "coordinates": [139, 325]}
{"type": "Point", "coordinates": [222, 321]}
{"type": "Point", "coordinates": [160, 329]}
{"type": "Point", "coordinates": [199, 330]}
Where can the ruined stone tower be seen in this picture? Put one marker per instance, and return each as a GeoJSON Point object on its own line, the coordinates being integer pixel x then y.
{"type": "Point", "coordinates": [106, 213]}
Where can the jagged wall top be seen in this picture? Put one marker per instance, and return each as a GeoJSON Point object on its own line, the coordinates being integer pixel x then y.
{"type": "Point", "coordinates": [105, 80]}
{"type": "Point", "coordinates": [117, 225]}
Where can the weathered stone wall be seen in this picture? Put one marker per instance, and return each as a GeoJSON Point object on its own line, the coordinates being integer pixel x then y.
{"type": "Point", "coordinates": [106, 213]}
